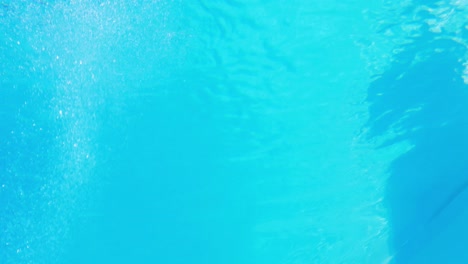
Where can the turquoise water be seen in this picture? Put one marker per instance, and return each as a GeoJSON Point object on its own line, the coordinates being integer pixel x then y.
{"type": "Point", "coordinates": [233, 131]}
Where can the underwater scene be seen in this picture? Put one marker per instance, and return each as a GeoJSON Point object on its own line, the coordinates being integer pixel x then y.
{"type": "Point", "coordinates": [233, 131]}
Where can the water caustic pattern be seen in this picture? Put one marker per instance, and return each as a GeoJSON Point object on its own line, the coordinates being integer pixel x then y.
{"type": "Point", "coordinates": [232, 131]}
{"type": "Point", "coordinates": [278, 84]}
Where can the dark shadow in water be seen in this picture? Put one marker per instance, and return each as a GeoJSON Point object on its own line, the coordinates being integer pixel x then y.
{"type": "Point", "coordinates": [423, 99]}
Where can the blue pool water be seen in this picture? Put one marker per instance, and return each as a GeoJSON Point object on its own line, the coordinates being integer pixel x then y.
{"type": "Point", "coordinates": [233, 131]}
